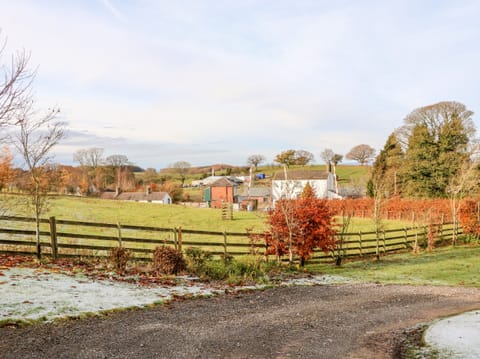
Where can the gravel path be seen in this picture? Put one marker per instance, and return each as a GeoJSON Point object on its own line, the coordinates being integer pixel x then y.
{"type": "Point", "coordinates": [331, 321]}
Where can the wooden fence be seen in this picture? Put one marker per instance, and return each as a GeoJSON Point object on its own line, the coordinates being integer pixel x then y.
{"type": "Point", "coordinates": [66, 238]}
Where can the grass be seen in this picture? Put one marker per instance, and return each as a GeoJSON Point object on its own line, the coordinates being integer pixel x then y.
{"type": "Point", "coordinates": [164, 216]}
{"type": "Point", "coordinates": [169, 216]}
{"type": "Point", "coordinates": [444, 266]}
{"type": "Point", "coordinates": [151, 214]}
{"type": "Point", "coordinates": [368, 225]}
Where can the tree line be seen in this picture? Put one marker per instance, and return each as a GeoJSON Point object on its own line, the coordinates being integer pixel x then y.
{"type": "Point", "coordinates": [429, 155]}
{"type": "Point", "coordinates": [362, 154]}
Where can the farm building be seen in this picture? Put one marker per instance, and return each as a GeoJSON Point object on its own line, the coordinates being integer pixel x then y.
{"type": "Point", "coordinates": [258, 197]}
{"type": "Point", "coordinates": [147, 196]}
{"type": "Point", "coordinates": [322, 182]}
{"type": "Point", "coordinates": [211, 179]}
{"type": "Point", "coordinates": [220, 191]}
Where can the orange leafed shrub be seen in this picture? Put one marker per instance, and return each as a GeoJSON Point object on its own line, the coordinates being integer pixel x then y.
{"type": "Point", "coordinates": [469, 217]}
{"type": "Point", "coordinates": [6, 171]}
{"type": "Point", "coordinates": [305, 223]}
{"type": "Point", "coordinates": [422, 210]}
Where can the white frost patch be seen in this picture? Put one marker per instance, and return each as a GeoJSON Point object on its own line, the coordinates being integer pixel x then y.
{"type": "Point", "coordinates": [318, 280]}
{"type": "Point", "coordinates": [31, 294]}
{"type": "Point", "coordinates": [456, 337]}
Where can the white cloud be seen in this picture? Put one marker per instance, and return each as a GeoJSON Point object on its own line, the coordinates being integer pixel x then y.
{"type": "Point", "coordinates": [184, 73]}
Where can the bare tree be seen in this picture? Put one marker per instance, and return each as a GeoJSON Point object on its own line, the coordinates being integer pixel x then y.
{"type": "Point", "coordinates": [255, 160]}
{"type": "Point", "coordinates": [327, 155]}
{"type": "Point", "coordinates": [89, 157]}
{"type": "Point", "coordinates": [361, 153]}
{"type": "Point", "coordinates": [378, 204]}
{"type": "Point", "coordinates": [434, 117]}
{"type": "Point", "coordinates": [464, 183]}
{"type": "Point", "coordinates": [15, 81]}
{"type": "Point", "coordinates": [34, 141]}
{"type": "Point", "coordinates": [90, 160]}
{"type": "Point", "coordinates": [117, 162]}
{"type": "Point", "coordinates": [303, 157]}
{"type": "Point", "coordinates": [181, 168]}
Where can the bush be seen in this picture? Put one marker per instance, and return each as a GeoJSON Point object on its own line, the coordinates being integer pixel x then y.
{"type": "Point", "coordinates": [232, 270]}
{"type": "Point", "coordinates": [196, 258]}
{"type": "Point", "coordinates": [167, 260]}
{"type": "Point", "coordinates": [215, 270]}
{"type": "Point", "coordinates": [119, 257]}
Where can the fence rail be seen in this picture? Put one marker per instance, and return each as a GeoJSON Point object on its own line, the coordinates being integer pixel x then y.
{"type": "Point", "coordinates": [66, 238]}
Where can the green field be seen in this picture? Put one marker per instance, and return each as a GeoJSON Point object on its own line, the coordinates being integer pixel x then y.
{"type": "Point", "coordinates": [151, 214]}
{"type": "Point", "coordinates": [443, 266]}
{"type": "Point", "coordinates": [169, 216]}
{"type": "Point", "coordinates": [162, 216]}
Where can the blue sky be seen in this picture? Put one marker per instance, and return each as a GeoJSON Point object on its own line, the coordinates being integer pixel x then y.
{"type": "Point", "coordinates": [216, 81]}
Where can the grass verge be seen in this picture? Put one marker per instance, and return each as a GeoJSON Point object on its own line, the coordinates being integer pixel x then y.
{"type": "Point", "coordinates": [454, 266]}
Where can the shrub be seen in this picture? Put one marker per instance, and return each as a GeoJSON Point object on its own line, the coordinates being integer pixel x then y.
{"type": "Point", "coordinates": [167, 260]}
{"type": "Point", "coordinates": [233, 270]}
{"type": "Point", "coordinates": [215, 270]}
{"type": "Point", "coordinates": [119, 257]}
{"type": "Point", "coordinates": [196, 259]}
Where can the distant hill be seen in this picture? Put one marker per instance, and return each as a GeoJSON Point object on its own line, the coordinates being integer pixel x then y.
{"type": "Point", "coordinates": [200, 169]}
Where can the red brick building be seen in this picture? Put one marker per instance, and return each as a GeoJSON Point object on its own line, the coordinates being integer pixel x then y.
{"type": "Point", "coordinates": [219, 192]}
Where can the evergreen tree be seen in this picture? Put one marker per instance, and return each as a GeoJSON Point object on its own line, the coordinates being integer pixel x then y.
{"type": "Point", "coordinates": [419, 168]}
{"type": "Point", "coordinates": [439, 136]}
{"type": "Point", "coordinates": [386, 168]}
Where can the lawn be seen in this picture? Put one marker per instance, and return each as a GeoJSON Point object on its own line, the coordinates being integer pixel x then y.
{"type": "Point", "coordinates": [163, 216]}
{"type": "Point", "coordinates": [169, 216]}
{"type": "Point", "coordinates": [443, 266]}
{"type": "Point", "coordinates": [152, 214]}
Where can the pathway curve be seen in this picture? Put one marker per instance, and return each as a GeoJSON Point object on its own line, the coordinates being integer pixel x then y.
{"type": "Point", "coordinates": [325, 321]}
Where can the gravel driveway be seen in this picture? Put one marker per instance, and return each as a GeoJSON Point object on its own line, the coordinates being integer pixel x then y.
{"type": "Point", "coordinates": [331, 321]}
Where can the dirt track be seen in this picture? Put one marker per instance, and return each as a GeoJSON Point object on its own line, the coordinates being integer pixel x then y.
{"type": "Point", "coordinates": [347, 321]}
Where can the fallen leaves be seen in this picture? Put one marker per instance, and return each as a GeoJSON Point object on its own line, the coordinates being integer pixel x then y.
{"type": "Point", "coordinates": [98, 269]}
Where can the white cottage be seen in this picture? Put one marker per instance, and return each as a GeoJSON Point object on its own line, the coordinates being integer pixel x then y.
{"type": "Point", "coordinates": [147, 196]}
{"type": "Point", "coordinates": [322, 182]}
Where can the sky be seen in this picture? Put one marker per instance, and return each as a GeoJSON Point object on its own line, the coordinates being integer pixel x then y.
{"type": "Point", "coordinates": [209, 81]}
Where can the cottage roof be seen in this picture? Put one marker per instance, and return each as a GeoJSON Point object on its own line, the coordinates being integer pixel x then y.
{"type": "Point", "coordinates": [142, 196]}
{"type": "Point", "coordinates": [222, 182]}
{"type": "Point", "coordinates": [257, 192]}
{"type": "Point", "coordinates": [301, 175]}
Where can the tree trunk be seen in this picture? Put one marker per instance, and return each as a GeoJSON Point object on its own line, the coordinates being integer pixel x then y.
{"type": "Point", "coordinates": [37, 219]}
{"type": "Point", "coordinates": [290, 250]}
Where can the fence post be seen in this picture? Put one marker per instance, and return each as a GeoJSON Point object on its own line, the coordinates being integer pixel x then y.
{"type": "Point", "coordinates": [119, 234]}
{"type": "Point", "coordinates": [425, 239]}
{"type": "Point", "coordinates": [179, 230]}
{"type": "Point", "coordinates": [384, 247]}
{"type": "Point", "coordinates": [441, 230]}
{"type": "Point", "coordinates": [405, 238]}
{"type": "Point", "coordinates": [266, 251]}
{"type": "Point", "coordinates": [53, 237]}
{"type": "Point", "coordinates": [225, 252]}
{"type": "Point", "coordinates": [360, 243]}
{"type": "Point", "coordinates": [175, 238]}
